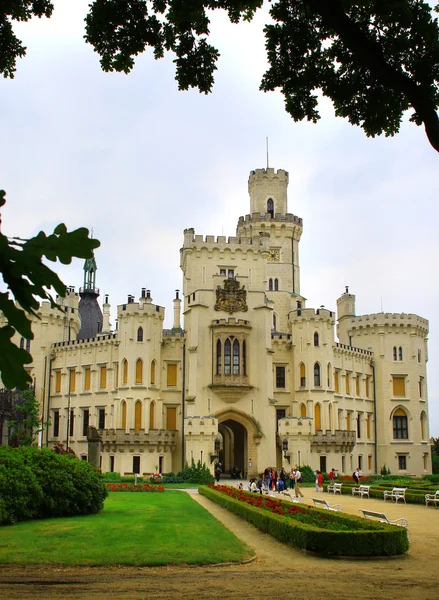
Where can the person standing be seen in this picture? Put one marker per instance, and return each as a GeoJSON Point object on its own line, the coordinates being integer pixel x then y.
{"type": "Point", "coordinates": [316, 475]}
{"type": "Point", "coordinates": [320, 479]}
{"type": "Point", "coordinates": [292, 478]}
{"type": "Point", "coordinates": [331, 476]}
{"type": "Point", "coordinates": [273, 479]}
{"type": "Point", "coordinates": [283, 476]}
{"type": "Point", "coordinates": [356, 476]}
{"type": "Point", "coordinates": [297, 489]}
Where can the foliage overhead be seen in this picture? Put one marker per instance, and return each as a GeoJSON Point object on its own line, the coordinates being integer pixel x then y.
{"type": "Point", "coordinates": [374, 59]}
{"type": "Point", "coordinates": [29, 279]}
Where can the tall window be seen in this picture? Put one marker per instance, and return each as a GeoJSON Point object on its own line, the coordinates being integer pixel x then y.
{"type": "Point", "coordinates": [87, 377]}
{"type": "Point", "coordinates": [103, 377]}
{"type": "Point", "coordinates": [276, 285]}
{"type": "Point", "coordinates": [400, 425]}
{"type": "Point", "coordinates": [367, 388]}
{"type": "Point", "coordinates": [153, 372]}
{"type": "Point", "coordinates": [419, 356]}
{"type": "Point", "coordinates": [421, 387]}
{"type": "Point", "coordinates": [395, 353]}
{"type": "Point", "coordinates": [398, 386]}
{"type": "Point", "coordinates": [227, 356]}
{"type": "Point", "coordinates": [400, 353]}
{"type": "Point", "coordinates": [152, 415]}
{"type": "Point", "coordinates": [329, 373]}
{"type": "Point", "coordinates": [330, 416]}
{"type": "Point", "coordinates": [303, 410]}
{"type": "Point", "coordinates": [27, 345]}
{"type": "Point", "coordinates": [116, 374]}
{"type": "Point", "coordinates": [172, 375]}
{"type": "Point", "coordinates": [101, 417]}
{"type": "Point", "coordinates": [318, 416]}
{"type": "Point", "coordinates": [56, 423]}
{"type": "Point", "coordinates": [137, 416]}
{"type": "Point", "coordinates": [139, 370]}
{"type": "Point", "coordinates": [302, 375]}
{"type": "Point", "coordinates": [22, 343]}
{"type": "Point", "coordinates": [270, 208]}
{"type": "Point", "coordinates": [140, 334]}
{"type": "Point", "coordinates": [218, 357]}
{"type": "Point", "coordinates": [317, 375]}
{"type": "Point", "coordinates": [270, 285]}
{"type": "Point", "coordinates": [357, 385]}
{"type": "Point", "coordinates": [402, 462]}
{"type": "Point", "coordinates": [58, 382]}
{"type": "Point", "coordinates": [336, 382]}
{"type": "Point", "coordinates": [316, 339]}
{"type": "Point", "coordinates": [359, 425]}
{"type": "Point", "coordinates": [85, 421]}
{"type": "Point", "coordinates": [348, 421]}
{"type": "Point", "coordinates": [348, 386]}
{"type": "Point", "coordinates": [236, 357]}
{"type": "Point", "coordinates": [125, 371]}
{"type": "Point", "coordinates": [244, 358]}
{"type": "Point", "coordinates": [124, 414]}
{"type": "Point", "coordinates": [171, 418]}
{"type": "Point", "coordinates": [274, 323]}
{"type": "Point", "coordinates": [72, 380]}
{"type": "Point", "coordinates": [368, 427]}
{"type": "Point", "coordinates": [423, 426]}
{"type": "Point", "coordinates": [280, 377]}
{"type": "Point", "coordinates": [136, 465]}
{"type": "Point", "coordinates": [71, 423]}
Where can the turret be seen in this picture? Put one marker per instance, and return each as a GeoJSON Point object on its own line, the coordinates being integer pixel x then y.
{"type": "Point", "coordinates": [268, 191]}
{"type": "Point", "coordinates": [106, 326]}
{"type": "Point", "coordinates": [177, 310]}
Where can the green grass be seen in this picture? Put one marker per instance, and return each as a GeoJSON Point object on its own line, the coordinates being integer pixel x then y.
{"type": "Point", "coordinates": [140, 529]}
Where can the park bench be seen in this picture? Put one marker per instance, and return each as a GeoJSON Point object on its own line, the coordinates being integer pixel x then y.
{"type": "Point", "coordinates": [395, 494]}
{"type": "Point", "coordinates": [362, 491]}
{"type": "Point", "coordinates": [334, 488]}
{"type": "Point", "coordinates": [320, 503]}
{"type": "Point", "coordinates": [382, 518]}
{"type": "Point", "coordinates": [291, 498]}
{"type": "Point", "coordinates": [433, 498]}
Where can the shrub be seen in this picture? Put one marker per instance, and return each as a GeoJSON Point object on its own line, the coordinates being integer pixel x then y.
{"type": "Point", "coordinates": [198, 473]}
{"type": "Point", "coordinates": [307, 474]}
{"type": "Point", "coordinates": [20, 492]}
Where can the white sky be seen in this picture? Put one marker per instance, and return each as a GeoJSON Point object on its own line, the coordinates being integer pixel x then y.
{"type": "Point", "coordinates": [139, 161]}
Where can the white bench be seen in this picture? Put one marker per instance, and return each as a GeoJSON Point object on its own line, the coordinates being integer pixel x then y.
{"type": "Point", "coordinates": [320, 503]}
{"type": "Point", "coordinates": [433, 498]}
{"type": "Point", "coordinates": [382, 518]}
{"type": "Point", "coordinates": [395, 494]}
{"type": "Point", "coordinates": [335, 488]}
{"type": "Point", "coordinates": [362, 491]}
{"type": "Point", "coordinates": [292, 498]}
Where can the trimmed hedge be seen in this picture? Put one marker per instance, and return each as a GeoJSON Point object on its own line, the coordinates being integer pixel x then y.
{"type": "Point", "coordinates": [412, 496]}
{"type": "Point", "coordinates": [36, 484]}
{"type": "Point", "coordinates": [363, 539]}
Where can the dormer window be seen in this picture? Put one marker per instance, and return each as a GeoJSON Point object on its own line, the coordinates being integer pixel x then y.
{"type": "Point", "coordinates": [270, 208]}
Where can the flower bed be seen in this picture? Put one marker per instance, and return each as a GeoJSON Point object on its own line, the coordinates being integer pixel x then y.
{"type": "Point", "coordinates": [321, 531]}
{"type": "Point", "coordinates": [130, 487]}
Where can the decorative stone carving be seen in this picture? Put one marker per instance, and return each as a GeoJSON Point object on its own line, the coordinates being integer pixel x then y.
{"type": "Point", "coordinates": [232, 298]}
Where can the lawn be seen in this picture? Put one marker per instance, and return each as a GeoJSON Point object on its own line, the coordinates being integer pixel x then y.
{"type": "Point", "coordinates": [141, 529]}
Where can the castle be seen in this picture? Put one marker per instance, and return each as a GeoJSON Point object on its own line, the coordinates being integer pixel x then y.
{"type": "Point", "coordinates": [253, 378]}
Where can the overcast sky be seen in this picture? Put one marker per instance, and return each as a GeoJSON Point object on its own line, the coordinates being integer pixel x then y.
{"type": "Point", "coordinates": [139, 161]}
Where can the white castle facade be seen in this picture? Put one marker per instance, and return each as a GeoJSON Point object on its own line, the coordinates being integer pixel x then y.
{"type": "Point", "coordinates": [252, 377]}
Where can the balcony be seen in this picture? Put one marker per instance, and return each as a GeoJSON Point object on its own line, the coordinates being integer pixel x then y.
{"type": "Point", "coordinates": [339, 441]}
{"type": "Point", "coordinates": [155, 440]}
{"type": "Point", "coordinates": [230, 388]}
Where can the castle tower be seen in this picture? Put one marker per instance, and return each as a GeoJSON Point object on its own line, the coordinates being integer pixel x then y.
{"type": "Point", "coordinates": [345, 310]}
{"type": "Point", "coordinates": [89, 309]}
{"type": "Point", "coordinates": [268, 191]}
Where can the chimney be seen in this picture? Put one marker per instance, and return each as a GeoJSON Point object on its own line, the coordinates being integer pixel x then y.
{"type": "Point", "coordinates": [177, 310]}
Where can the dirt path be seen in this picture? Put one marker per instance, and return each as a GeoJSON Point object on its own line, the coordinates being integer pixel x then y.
{"type": "Point", "coordinates": [277, 571]}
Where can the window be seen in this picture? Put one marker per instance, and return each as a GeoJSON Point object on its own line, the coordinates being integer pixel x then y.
{"type": "Point", "coordinates": [367, 388]}
{"type": "Point", "coordinates": [318, 416]}
{"type": "Point", "coordinates": [400, 353]}
{"type": "Point", "coordinates": [423, 425]}
{"type": "Point", "coordinates": [137, 416]}
{"type": "Point", "coordinates": [402, 462]}
{"type": "Point", "coordinates": [357, 385]}
{"type": "Point", "coordinates": [348, 386]}
{"type": "Point", "coordinates": [139, 370]}
{"type": "Point", "coordinates": [87, 377]}
{"type": "Point", "coordinates": [172, 375]}
{"type": "Point", "coordinates": [227, 356]}
{"type": "Point", "coordinates": [280, 377]}
{"type": "Point", "coordinates": [218, 357]}
{"type": "Point", "coordinates": [22, 343]}
{"type": "Point", "coordinates": [280, 414]}
{"type": "Point", "coordinates": [103, 377]}
{"type": "Point", "coordinates": [236, 357]}
{"type": "Point", "coordinates": [329, 371]}
{"type": "Point", "coordinates": [244, 359]}
{"type": "Point", "coordinates": [101, 424]}
{"type": "Point", "coordinates": [336, 382]}
{"type": "Point", "coordinates": [276, 285]}
{"type": "Point", "coordinates": [124, 414]}
{"type": "Point", "coordinates": [369, 462]}
{"type": "Point", "coordinates": [302, 375]}
{"type": "Point", "coordinates": [419, 356]}
{"type": "Point", "coordinates": [421, 387]}
{"type": "Point", "coordinates": [316, 375]}
{"type": "Point", "coordinates": [111, 464]}
{"type": "Point", "coordinates": [230, 275]}
{"type": "Point", "coordinates": [330, 416]}
{"type": "Point", "coordinates": [171, 418]}
{"type": "Point", "coordinates": [270, 208]}
{"type": "Point", "coordinates": [302, 410]}
{"type": "Point", "coordinates": [27, 345]}
{"type": "Point", "coordinates": [274, 323]}
{"type": "Point", "coordinates": [316, 339]}
{"type": "Point", "coordinates": [125, 371]}
{"type": "Point", "coordinates": [398, 386]}
{"type": "Point", "coordinates": [140, 334]}
{"type": "Point", "coordinates": [152, 415]}
{"type": "Point", "coordinates": [58, 382]}
{"type": "Point", "coordinates": [72, 380]}
{"type": "Point", "coordinates": [72, 422]}
{"type": "Point", "coordinates": [270, 285]}
{"type": "Point", "coordinates": [136, 465]}
{"type": "Point", "coordinates": [395, 353]}
{"type": "Point", "coordinates": [348, 421]}
{"type": "Point", "coordinates": [368, 427]}
{"type": "Point", "coordinates": [85, 421]}
{"type": "Point", "coordinates": [222, 272]}
{"type": "Point", "coordinates": [56, 423]}
{"type": "Point", "coordinates": [400, 427]}
{"type": "Point", "coordinates": [359, 416]}
{"type": "Point", "coordinates": [360, 462]}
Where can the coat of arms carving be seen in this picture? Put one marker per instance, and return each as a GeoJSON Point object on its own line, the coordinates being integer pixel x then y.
{"type": "Point", "coordinates": [232, 298]}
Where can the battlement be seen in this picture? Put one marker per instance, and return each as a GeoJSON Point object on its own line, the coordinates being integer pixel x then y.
{"type": "Point", "coordinates": [266, 217]}
{"type": "Point", "coordinates": [320, 314]}
{"type": "Point", "coordinates": [132, 308]}
{"type": "Point", "coordinates": [221, 242]}
{"type": "Point", "coordinates": [270, 173]}
{"type": "Point", "coordinates": [88, 341]}
{"type": "Point", "coordinates": [276, 335]}
{"type": "Point", "coordinates": [353, 350]}
{"type": "Point", "coordinates": [389, 320]}
{"type": "Point", "coordinates": [201, 425]}
{"type": "Point", "coordinates": [231, 322]}
{"type": "Point", "coordinates": [173, 333]}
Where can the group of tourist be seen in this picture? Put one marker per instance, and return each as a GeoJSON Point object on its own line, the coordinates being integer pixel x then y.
{"type": "Point", "coordinates": [271, 480]}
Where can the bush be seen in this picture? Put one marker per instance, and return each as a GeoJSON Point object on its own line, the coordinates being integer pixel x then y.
{"type": "Point", "coordinates": [198, 473]}
{"type": "Point", "coordinates": [307, 474]}
{"type": "Point", "coordinates": [40, 483]}
{"type": "Point", "coordinates": [110, 476]}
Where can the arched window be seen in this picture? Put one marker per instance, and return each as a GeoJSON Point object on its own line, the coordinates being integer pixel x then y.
{"type": "Point", "coordinates": [276, 285]}
{"type": "Point", "coordinates": [153, 372]}
{"type": "Point", "coordinates": [316, 339]}
{"type": "Point", "coordinates": [423, 426]}
{"type": "Point", "coordinates": [139, 370]}
{"type": "Point", "coordinates": [227, 357]}
{"type": "Point", "coordinates": [270, 208]}
{"type": "Point", "coordinates": [330, 416]}
{"type": "Point", "coordinates": [22, 343]}
{"type": "Point", "coordinates": [125, 371]}
{"type": "Point", "coordinates": [395, 356]}
{"type": "Point", "coordinates": [329, 373]}
{"type": "Point", "coordinates": [400, 353]}
{"type": "Point", "coordinates": [400, 425]}
{"type": "Point", "coordinates": [152, 415]}
{"type": "Point", "coordinates": [244, 359]}
{"type": "Point", "coordinates": [124, 414]}
{"type": "Point", "coordinates": [318, 417]}
{"type": "Point", "coordinates": [270, 285]}
{"type": "Point", "coordinates": [303, 410]}
{"type": "Point", "coordinates": [236, 357]}
{"type": "Point", "coordinates": [140, 334]}
{"type": "Point", "coordinates": [317, 375]}
{"type": "Point", "coordinates": [302, 375]}
{"type": "Point", "coordinates": [218, 357]}
{"type": "Point", "coordinates": [137, 416]}
{"type": "Point", "coordinates": [27, 345]}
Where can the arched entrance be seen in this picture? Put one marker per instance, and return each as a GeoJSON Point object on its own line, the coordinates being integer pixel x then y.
{"type": "Point", "coordinates": [239, 433]}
